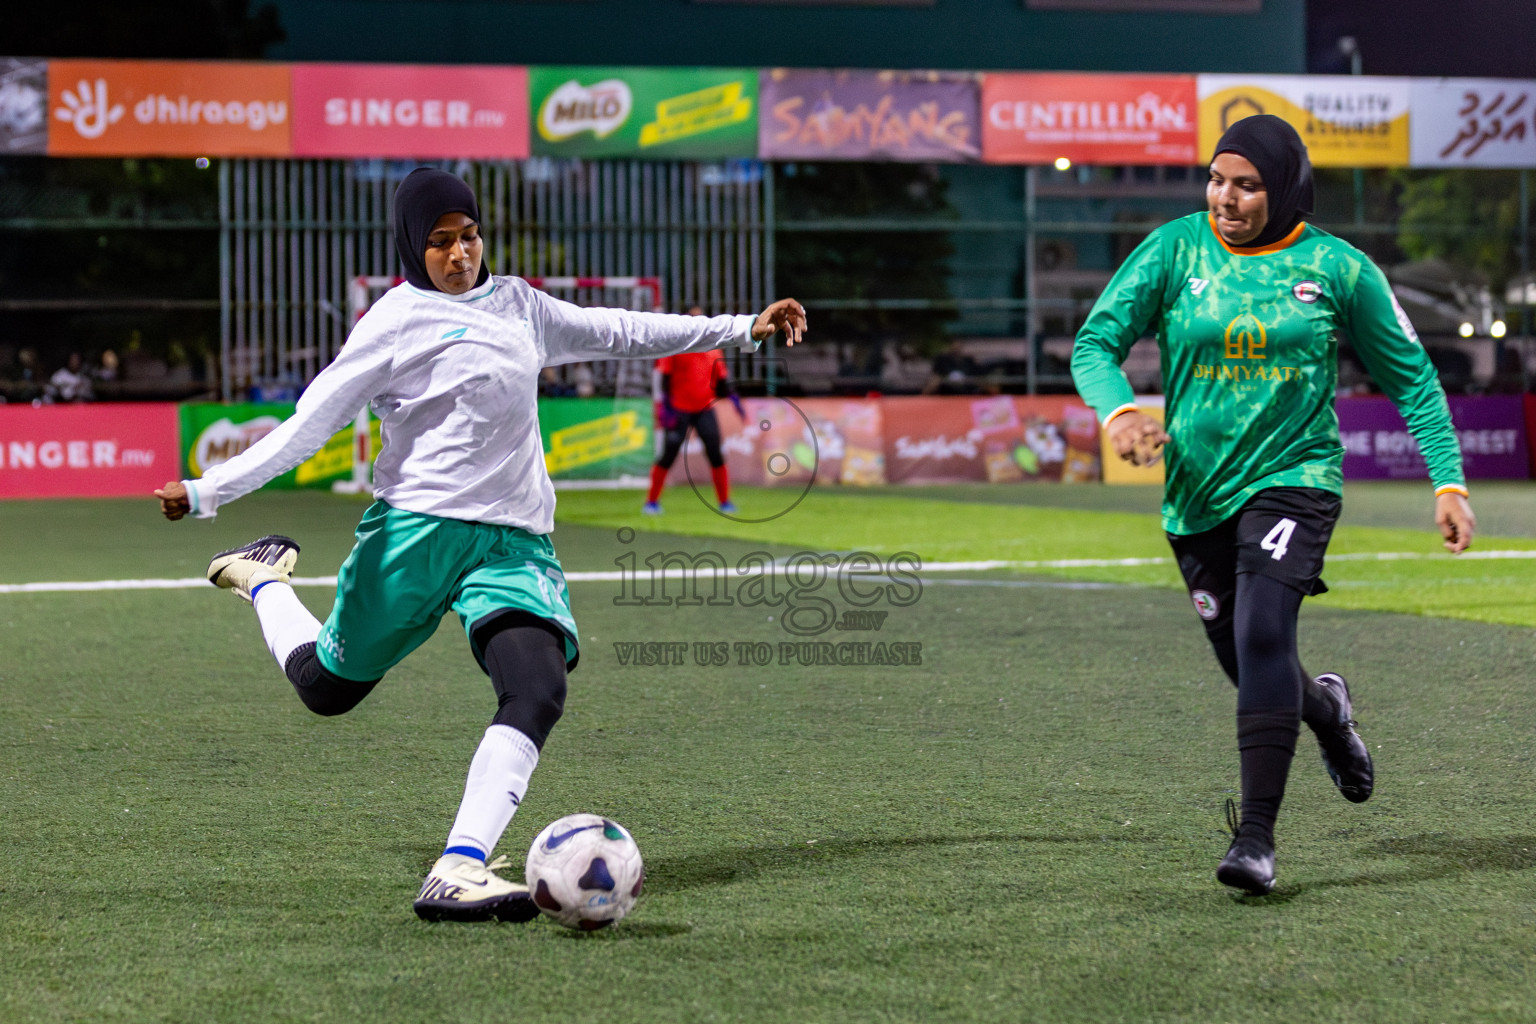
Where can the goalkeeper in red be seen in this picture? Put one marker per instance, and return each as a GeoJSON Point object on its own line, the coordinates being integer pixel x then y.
{"type": "Point", "coordinates": [1247, 301]}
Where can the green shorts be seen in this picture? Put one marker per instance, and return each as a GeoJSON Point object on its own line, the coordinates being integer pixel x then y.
{"type": "Point", "coordinates": [408, 569]}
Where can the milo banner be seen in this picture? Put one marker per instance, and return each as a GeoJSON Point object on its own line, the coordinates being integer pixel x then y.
{"type": "Point", "coordinates": [1345, 120]}
{"type": "Point", "coordinates": [212, 434]}
{"type": "Point", "coordinates": [664, 113]}
{"type": "Point", "coordinates": [596, 439]}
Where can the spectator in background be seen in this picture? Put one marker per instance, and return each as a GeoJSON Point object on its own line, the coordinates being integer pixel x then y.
{"type": "Point", "coordinates": [106, 367]}
{"type": "Point", "coordinates": [586, 387]}
{"type": "Point", "coordinates": [952, 372]}
{"type": "Point", "coordinates": [70, 382]}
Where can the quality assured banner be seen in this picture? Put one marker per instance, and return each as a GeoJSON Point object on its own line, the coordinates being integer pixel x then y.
{"type": "Point", "coordinates": [870, 115]}
{"type": "Point", "coordinates": [1491, 429]}
{"type": "Point", "coordinates": [87, 451]}
{"type": "Point", "coordinates": [168, 108]}
{"type": "Point", "coordinates": [664, 113]}
{"type": "Point", "coordinates": [1473, 122]}
{"type": "Point", "coordinates": [1345, 120]}
{"type": "Point", "coordinates": [410, 110]}
{"type": "Point", "coordinates": [1091, 119]}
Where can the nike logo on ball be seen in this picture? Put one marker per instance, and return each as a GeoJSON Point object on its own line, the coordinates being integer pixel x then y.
{"type": "Point", "coordinates": [554, 841]}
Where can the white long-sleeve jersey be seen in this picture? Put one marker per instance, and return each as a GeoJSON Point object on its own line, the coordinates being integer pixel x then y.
{"type": "Point", "coordinates": [454, 381]}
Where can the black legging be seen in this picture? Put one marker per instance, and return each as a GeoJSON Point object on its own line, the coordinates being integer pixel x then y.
{"type": "Point", "coordinates": [524, 655]}
{"type": "Point", "coordinates": [708, 429]}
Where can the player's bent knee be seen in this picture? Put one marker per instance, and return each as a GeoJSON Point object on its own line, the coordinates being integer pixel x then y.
{"type": "Point", "coordinates": [321, 690]}
{"type": "Point", "coordinates": [534, 711]}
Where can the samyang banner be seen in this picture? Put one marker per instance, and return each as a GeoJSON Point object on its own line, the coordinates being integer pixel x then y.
{"type": "Point", "coordinates": [168, 108]}
{"type": "Point", "coordinates": [1345, 120]}
{"type": "Point", "coordinates": [661, 113]}
{"type": "Point", "coordinates": [410, 110]}
{"type": "Point", "coordinates": [1089, 119]}
{"type": "Point", "coordinates": [1473, 122]}
{"type": "Point", "coordinates": [915, 116]}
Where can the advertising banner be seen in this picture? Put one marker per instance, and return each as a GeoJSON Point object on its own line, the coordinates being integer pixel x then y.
{"type": "Point", "coordinates": [596, 439]}
{"type": "Point", "coordinates": [1473, 122]}
{"type": "Point", "coordinates": [663, 113]}
{"type": "Point", "coordinates": [87, 451]}
{"type": "Point", "coordinates": [1090, 119]}
{"type": "Point", "coordinates": [870, 115]}
{"type": "Point", "coordinates": [1345, 120]}
{"type": "Point", "coordinates": [23, 105]}
{"type": "Point", "coordinates": [998, 439]}
{"type": "Point", "coordinates": [410, 110]}
{"type": "Point", "coordinates": [1377, 445]}
{"type": "Point", "coordinates": [167, 108]}
{"type": "Point", "coordinates": [213, 433]}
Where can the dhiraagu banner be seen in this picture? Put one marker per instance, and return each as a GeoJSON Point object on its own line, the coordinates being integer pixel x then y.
{"type": "Point", "coordinates": [1345, 120]}
{"type": "Point", "coordinates": [664, 113]}
{"type": "Point", "coordinates": [213, 433]}
{"type": "Point", "coordinates": [596, 438]}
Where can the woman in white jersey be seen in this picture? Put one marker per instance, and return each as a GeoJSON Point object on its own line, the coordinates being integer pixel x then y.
{"type": "Point", "coordinates": [449, 361]}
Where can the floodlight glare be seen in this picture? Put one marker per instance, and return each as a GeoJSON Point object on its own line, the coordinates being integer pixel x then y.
{"type": "Point", "coordinates": [201, 163]}
{"type": "Point", "coordinates": [1063, 164]}
{"type": "Point", "coordinates": [1466, 330]}
{"type": "Point", "coordinates": [1498, 329]}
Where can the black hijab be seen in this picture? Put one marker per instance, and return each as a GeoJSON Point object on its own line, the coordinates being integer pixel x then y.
{"type": "Point", "coordinates": [1273, 146]}
{"type": "Point", "coordinates": [425, 195]}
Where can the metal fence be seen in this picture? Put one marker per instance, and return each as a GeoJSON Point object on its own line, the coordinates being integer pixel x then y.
{"type": "Point", "coordinates": [295, 233]}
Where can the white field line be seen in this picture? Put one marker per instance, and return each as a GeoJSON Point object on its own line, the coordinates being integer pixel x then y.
{"type": "Point", "coordinates": [709, 572]}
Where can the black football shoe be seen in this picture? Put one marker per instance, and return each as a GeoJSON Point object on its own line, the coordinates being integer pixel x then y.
{"type": "Point", "coordinates": [1250, 861]}
{"type": "Point", "coordinates": [268, 559]}
{"type": "Point", "coordinates": [1328, 713]}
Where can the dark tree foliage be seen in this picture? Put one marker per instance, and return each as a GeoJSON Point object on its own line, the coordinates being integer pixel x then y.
{"type": "Point", "coordinates": [815, 265]}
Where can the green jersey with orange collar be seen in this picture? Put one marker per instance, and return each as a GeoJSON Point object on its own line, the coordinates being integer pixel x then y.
{"type": "Point", "coordinates": [1249, 353]}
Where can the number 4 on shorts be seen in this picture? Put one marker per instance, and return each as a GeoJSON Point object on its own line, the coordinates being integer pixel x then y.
{"type": "Point", "coordinates": [1277, 539]}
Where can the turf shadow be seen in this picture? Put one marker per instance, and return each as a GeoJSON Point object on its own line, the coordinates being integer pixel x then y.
{"type": "Point", "coordinates": [725, 865]}
{"type": "Point", "coordinates": [1436, 855]}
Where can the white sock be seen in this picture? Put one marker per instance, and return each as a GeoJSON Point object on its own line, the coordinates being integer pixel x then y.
{"type": "Point", "coordinates": [498, 778]}
{"type": "Point", "coordinates": [286, 624]}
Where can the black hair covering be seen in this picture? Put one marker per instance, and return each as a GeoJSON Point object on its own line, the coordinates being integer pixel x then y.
{"type": "Point", "coordinates": [425, 195]}
{"type": "Point", "coordinates": [1273, 146]}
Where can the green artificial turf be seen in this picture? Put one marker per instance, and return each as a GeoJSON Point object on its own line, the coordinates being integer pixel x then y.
{"type": "Point", "coordinates": [1022, 828]}
{"type": "Point", "coordinates": [986, 523]}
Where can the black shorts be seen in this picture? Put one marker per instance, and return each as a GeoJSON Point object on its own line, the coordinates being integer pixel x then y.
{"type": "Point", "coordinates": [1281, 533]}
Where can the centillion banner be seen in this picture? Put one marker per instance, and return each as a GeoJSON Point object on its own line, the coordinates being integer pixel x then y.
{"type": "Point", "coordinates": [1345, 120]}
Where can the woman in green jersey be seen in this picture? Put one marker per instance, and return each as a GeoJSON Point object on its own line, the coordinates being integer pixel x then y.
{"type": "Point", "coordinates": [1247, 300]}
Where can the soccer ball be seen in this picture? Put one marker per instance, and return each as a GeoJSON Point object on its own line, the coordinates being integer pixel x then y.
{"type": "Point", "coordinates": [584, 871]}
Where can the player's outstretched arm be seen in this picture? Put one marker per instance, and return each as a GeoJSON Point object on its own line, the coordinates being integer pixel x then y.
{"type": "Point", "coordinates": [1453, 515]}
{"type": "Point", "coordinates": [174, 501]}
{"type": "Point", "coordinates": [785, 315]}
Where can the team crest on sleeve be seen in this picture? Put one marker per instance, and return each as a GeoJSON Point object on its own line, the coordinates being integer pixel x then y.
{"type": "Point", "coordinates": [1307, 291]}
{"type": "Point", "coordinates": [1205, 604]}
